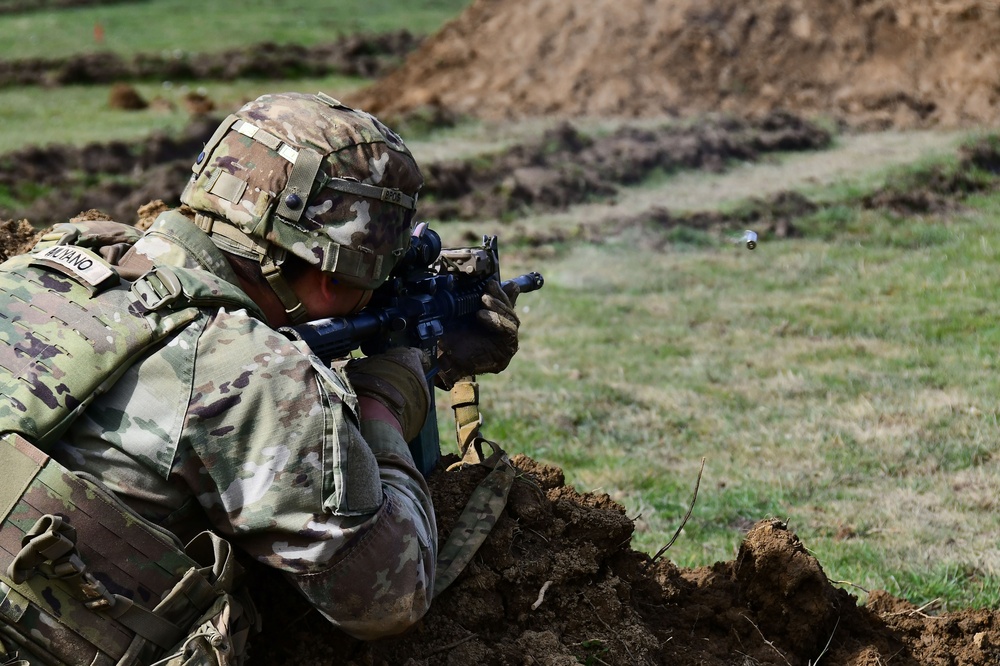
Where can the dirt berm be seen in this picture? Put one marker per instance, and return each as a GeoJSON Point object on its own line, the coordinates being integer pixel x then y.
{"type": "Point", "coordinates": [557, 584]}
{"type": "Point", "coordinates": [872, 63]}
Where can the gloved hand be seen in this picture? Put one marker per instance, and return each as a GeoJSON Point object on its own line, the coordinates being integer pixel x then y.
{"type": "Point", "coordinates": [485, 345]}
{"type": "Point", "coordinates": [395, 379]}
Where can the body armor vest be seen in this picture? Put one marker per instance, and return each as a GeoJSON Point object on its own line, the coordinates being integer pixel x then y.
{"type": "Point", "coordinates": [83, 579]}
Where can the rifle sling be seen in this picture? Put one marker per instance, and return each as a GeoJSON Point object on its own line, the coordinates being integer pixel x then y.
{"type": "Point", "coordinates": [488, 500]}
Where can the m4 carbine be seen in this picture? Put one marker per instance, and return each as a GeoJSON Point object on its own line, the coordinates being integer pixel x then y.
{"type": "Point", "coordinates": [431, 290]}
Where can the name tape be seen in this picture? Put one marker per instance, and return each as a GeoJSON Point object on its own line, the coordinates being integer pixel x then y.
{"type": "Point", "coordinates": [77, 262]}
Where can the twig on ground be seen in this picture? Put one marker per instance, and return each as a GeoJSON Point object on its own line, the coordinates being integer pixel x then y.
{"type": "Point", "coordinates": [445, 648]}
{"type": "Point", "coordinates": [847, 582]}
{"type": "Point", "coordinates": [828, 641]}
{"type": "Point", "coordinates": [541, 595]}
{"type": "Point", "coordinates": [694, 498]}
{"type": "Point", "coordinates": [767, 642]}
{"type": "Point", "coordinates": [919, 611]}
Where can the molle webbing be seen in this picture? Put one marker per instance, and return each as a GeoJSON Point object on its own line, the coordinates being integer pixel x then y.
{"type": "Point", "coordinates": [61, 345]}
{"type": "Point", "coordinates": [391, 195]}
{"type": "Point", "coordinates": [147, 581]}
{"type": "Point", "coordinates": [82, 578]}
{"type": "Point", "coordinates": [56, 355]}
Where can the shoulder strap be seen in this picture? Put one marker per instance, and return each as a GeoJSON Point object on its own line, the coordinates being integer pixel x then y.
{"type": "Point", "coordinates": [488, 500]}
{"type": "Point", "coordinates": [170, 288]}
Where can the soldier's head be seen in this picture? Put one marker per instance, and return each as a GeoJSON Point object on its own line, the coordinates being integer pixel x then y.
{"type": "Point", "coordinates": [293, 180]}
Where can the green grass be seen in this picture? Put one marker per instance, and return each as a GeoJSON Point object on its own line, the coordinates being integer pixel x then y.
{"type": "Point", "coordinates": [845, 382]}
{"type": "Point", "coordinates": [156, 26]}
{"type": "Point", "coordinates": [80, 114]}
{"type": "Point", "coordinates": [77, 115]}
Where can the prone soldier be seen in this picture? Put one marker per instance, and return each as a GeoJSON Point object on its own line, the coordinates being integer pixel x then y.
{"type": "Point", "coordinates": [150, 399]}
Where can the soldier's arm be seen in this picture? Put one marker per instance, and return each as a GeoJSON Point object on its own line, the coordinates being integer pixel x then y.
{"type": "Point", "coordinates": [294, 477]}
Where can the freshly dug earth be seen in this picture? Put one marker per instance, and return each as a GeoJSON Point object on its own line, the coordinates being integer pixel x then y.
{"type": "Point", "coordinates": [354, 55]}
{"type": "Point", "coordinates": [566, 167]}
{"type": "Point", "coordinates": [872, 63]}
{"type": "Point", "coordinates": [556, 583]}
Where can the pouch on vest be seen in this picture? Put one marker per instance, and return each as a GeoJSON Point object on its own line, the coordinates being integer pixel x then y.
{"type": "Point", "coordinates": [132, 597]}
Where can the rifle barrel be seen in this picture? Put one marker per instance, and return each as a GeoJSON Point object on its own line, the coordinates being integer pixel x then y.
{"type": "Point", "coordinates": [528, 282]}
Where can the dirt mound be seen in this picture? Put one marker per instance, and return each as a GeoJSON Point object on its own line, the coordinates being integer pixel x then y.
{"type": "Point", "coordinates": [124, 97]}
{"type": "Point", "coordinates": [16, 236]}
{"type": "Point", "coordinates": [556, 583]}
{"type": "Point", "coordinates": [872, 63]}
{"type": "Point", "coordinates": [52, 183]}
{"type": "Point", "coordinates": [566, 167]}
{"type": "Point", "coordinates": [936, 190]}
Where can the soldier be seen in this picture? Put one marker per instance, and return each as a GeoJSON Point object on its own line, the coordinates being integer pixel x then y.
{"type": "Point", "coordinates": [151, 366]}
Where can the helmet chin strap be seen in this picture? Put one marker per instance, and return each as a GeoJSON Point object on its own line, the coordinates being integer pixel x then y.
{"type": "Point", "coordinates": [294, 308]}
{"type": "Point", "coordinates": [230, 239]}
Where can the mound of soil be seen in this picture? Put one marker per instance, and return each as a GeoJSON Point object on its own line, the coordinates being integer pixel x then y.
{"type": "Point", "coordinates": [937, 190]}
{"type": "Point", "coordinates": [566, 167]}
{"type": "Point", "coordinates": [872, 63]}
{"type": "Point", "coordinates": [556, 583]}
{"type": "Point", "coordinates": [16, 236]}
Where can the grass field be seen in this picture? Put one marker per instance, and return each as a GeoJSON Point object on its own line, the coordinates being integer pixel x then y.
{"type": "Point", "coordinates": [156, 26]}
{"type": "Point", "coordinates": [77, 115]}
{"type": "Point", "coordinates": [844, 381]}
{"type": "Point", "coordinates": [80, 114]}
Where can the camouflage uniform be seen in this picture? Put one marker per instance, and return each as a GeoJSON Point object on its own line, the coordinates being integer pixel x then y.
{"type": "Point", "coordinates": [229, 425]}
{"type": "Point", "coordinates": [234, 425]}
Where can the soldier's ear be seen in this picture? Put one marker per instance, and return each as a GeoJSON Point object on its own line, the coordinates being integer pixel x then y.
{"type": "Point", "coordinates": [327, 288]}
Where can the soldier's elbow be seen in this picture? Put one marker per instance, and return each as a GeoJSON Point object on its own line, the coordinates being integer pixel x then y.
{"type": "Point", "coordinates": [385, 620]}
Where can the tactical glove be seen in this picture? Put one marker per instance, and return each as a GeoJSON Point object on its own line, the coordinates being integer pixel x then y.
{"type": "Point", "coordinates": [487, 343]}
{"type": "Point", "coordinates": [395, 379]}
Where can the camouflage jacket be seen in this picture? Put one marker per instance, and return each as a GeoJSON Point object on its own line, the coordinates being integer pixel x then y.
{"type": "Point", "coordinates": [233, 426]}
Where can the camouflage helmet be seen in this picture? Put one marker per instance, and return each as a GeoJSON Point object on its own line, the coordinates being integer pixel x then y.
{"type": "Point", "coordinates": [306, 175]}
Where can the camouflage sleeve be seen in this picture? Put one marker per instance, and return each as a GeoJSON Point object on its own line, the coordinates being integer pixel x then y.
{"type": "Point", "coordinates": [283, 467]}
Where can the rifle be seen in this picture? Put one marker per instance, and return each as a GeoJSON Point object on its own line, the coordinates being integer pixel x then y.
{"type": "Point", "coordinates": [429, 291]}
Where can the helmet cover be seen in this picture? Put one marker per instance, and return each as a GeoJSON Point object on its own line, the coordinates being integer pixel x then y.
{"type": "Point", "coordinates": [306, 174]}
